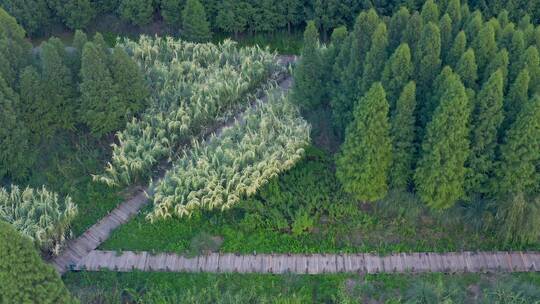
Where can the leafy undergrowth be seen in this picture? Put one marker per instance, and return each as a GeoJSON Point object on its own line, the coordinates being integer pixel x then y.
{"type": "Point", "coordinates": [138, 287]}
{"type": "Point", "coordinates": [305, 211]}
{"type": "Point", "coordinates": [65, 166]}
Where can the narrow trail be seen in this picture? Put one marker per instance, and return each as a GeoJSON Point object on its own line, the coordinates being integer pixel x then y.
{"type": "Point", "coordinates": [451, 262]}
{"type": "Point", "coordinates": [80, 247]}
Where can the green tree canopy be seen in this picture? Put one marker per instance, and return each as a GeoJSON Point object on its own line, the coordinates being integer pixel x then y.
{"type": "Point", "coordinates": [138, 12]}
{"type": "Point", "coordinates": [397, 72]}
{"type": "Point", "coordinates": [487, 118]}
{"type": "Point", "coordinates": [25, 277]}
{"type": "Point", "coordinates": [467, 69]}
{"type": "Point", "coordinates": [127, 76]}
{"type": "Point", "coordinates": [364, 162]}
{"type": "Point", "coordinates": [440, 173]}
{"type": "Point", "coordinates": [195, 26]}
{"type": "Point", "coordinates": [307, 90]}
{"type": "Point", "coordinates": [403, 133]}
{"type": "Point", "coordinates": [101, 108]}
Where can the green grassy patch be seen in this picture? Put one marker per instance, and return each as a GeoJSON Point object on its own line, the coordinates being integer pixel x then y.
{"type": "Point", "coordinates": [65, 166]}
{"type": "Point", "coordinates": [139, 287]}
{"type": "Point", "coordinates": [305, 211]}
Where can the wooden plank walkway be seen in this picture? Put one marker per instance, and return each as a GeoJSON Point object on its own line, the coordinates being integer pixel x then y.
{"type": "Point", "coordinates": [451, 262]}
{"type": "Point", "coordinates": [101, 231]}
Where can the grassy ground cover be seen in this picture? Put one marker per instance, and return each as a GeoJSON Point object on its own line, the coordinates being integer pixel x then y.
{"type": "Point", "coordinates": [65, 167]}
{"type": "Point", "coordinates": [304, 210]}
{"type": "Point", "coordinates": [138, 287]}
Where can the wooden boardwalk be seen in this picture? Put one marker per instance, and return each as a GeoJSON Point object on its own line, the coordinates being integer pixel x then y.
{"type": "Point", "coordinates": [101, 231]}
{"type": "Point", "coordinates": [452, 262]}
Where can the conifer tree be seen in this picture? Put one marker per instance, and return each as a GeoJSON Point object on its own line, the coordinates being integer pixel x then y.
{"type": "Point", "coordinates": [467, 69]}
{"type": "Point", "coordinates": [397, 72]}
{"type": "Point", "coordinates": [531, 61]}
{"type": "Point", "coordinates": [499, 62]}
{"type": "Point", "coordinates": [364, 161]}
{"type": "Point", "coordinates": [330, 61]}
{"type": "Point", "coordinates": [503, 18]}
{"type": "Point", "coordinates": [516, 50]}
{"type": "Point", "coordinates": [14, 159]}
{"type": "Point", "coordinates": [458, 48]}
{"type": "Point", "coordinates": [195, 26]}
{"type": "Point", "coordinates": [504, 40]}
{"type": "Point", "coordinates": [101, 109]}
{"type": "Point", "coordinates": [410, 35]}
{"type": "Point", "coordinates": [307, 90]}
{"type": "Point", "coordinates": [14, 48]}
{"type": "Point", "coordinates": [102, 46]}
{"type": "Point", "coordinates": [403, 136]}
{"type": "Point", "coordinates": [485, 47]}
{"type": "Point", "coordinates": [430, 12]}
{"type": "Point", "coordinates": [171, 10]}
{"type": "Point", "coordinates": [397, 25]}
{"type": "Point", "coordinates": [433, 98]}
{"type": "Point", "coordinates": [518, 95]}
{"type": "Point", "coordinates": [34, 106]}
{"type": "Point", "coordinates": [350, 77]}
{"type": "Point", "coordinates": [58, 87]}
{"type": "Point", "coordinates": [79, 40]}
{"type": "Point", "coordinates": [128, 78]}
{"type": "Point", "coordinates": [139, 12]}
{"type": "Point", "coordinates": [375, 58]}
{"type": "Point", "coordinates": [428, 57]}
{"type": "Point", "coordinates": [453, 9]}
{"type": "Point", "coordinates": [474, 26]}
{"type": "Point", "coordinates": [518, 174]}
{"type": "Point", "coordinates": [440, 173]}
{"type": "Point", "coordinates": [25, 277]}
{"type": "Point", "coordinates": [445, 25]}
{"type": "Point", "coordinates": [487, 118]}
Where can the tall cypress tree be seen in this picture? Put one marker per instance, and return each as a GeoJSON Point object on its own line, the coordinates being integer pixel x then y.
{"type": "Point", "coordinates": [440, 173]}
{"type": "Point", "coordinates": [517, 96]}
{"type": "Point", "coordinates": [195, 26]}
{"type": "Point", "coordinates": [531, 61]}
{"type": "Point", "coordinates": [474, 25]}
{"type": "Point", "coordinates": [485, 47]}
{"type": "Point", "coordinates": [410, 35]}
{"type": "Point", "coordinates": [375, 58]}
{"type": "Point", "coordinates": [58, 87]}
{"type": "Point", "coordinates": [397, 25]}
{"type": "Point", "coordinates": [499, 62]}
{"type": "Point", "coordinates": [487, 118]}
{"type": "Point", "coordinates": [504, 40]}
{"type": "Point", "coordinates": [458, 48]}
{"type": "Point", "coordinates": [453, 9]}
{"type": "Point", "coordinates": [349, 90]}
{"type": "Point", "coordinates": [308, 87]}
{"type": "Point", "coordinates": [397, 72]}
{"type": "Point", "coordinates": [467, 69]}
{"type": "Point", "coordinates": [101, 109]}
{"type": "Point", "coordinates": [364, 161]}
{"type": "Point", "coordinates": [79, 40]}
{"type": "Point", "coordinates": [433, 98]}
{"type": "Point", "coordinates": [428, 57]}
{"type": "Point", "coordinates": [34, 107]}
{"type": "Point", "coordinates": [14, 157]}
{"type": "Point", "coordinates": [132, 89]}
{"type": "Point", "coordinates": [445, 25]}
{"type": "Point", "coordinates": [517, 48]}
{"type": "Point", "coordinates": [430, 12]}
{"type": "Point", "coordinates": [517, 177]}
{"type": "Point", "coordinates": [403, 136]}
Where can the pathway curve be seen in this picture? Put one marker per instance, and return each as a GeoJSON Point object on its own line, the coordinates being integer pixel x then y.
{"type": "Point", "coordinates": [451, 262]}
{"type": "Point", "coordinates": [80, 247]}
